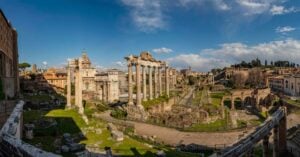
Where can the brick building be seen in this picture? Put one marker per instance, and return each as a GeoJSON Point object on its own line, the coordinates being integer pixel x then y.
{"type": "Point", "coordinates": [8, 58]}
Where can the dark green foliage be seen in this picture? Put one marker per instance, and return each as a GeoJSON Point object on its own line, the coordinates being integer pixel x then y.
{"type": "Point", "coordinates": [24, 65]}
{"type": "Point", "coordinates": [120, 114]}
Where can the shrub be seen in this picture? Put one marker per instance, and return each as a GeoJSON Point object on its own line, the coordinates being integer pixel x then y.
{"type": "Point", "coordinates": [120, 114]}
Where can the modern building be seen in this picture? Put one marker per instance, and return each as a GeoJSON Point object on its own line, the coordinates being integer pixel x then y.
{"type": "Point", "coordinates": [8, 58]}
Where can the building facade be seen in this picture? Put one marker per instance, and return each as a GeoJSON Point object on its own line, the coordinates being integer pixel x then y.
{"type": "Point", "coordinates": [57, 78]}
{"type": "Point", "coordinates": [276, 83]}
{"type": "Point", "coordinates": [8, 58]}
{"type": "Point", "coordinates": [292, 85]}
{"type": "Point", "coordinates": [93, 84]}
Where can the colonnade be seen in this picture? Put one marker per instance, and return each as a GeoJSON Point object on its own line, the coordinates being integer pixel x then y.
{"type": "Point", "coordinates": [155, 84]}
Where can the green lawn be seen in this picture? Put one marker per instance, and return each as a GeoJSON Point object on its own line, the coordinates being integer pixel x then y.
{"type": "Point", "coordinates": [218, 125]}
{"type": "Point", "coordinates": [295, 103]}
{"type": "Point", "coordinates": [216, 98]}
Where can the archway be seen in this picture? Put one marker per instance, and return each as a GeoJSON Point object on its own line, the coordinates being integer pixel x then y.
{"type": "Point", "coordinates": [238, 103]}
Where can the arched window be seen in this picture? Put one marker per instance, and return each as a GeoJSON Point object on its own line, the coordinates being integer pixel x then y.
{"type": "Point", "coordinates": [286, 84]}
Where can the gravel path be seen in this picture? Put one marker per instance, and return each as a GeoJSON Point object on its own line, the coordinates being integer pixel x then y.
{"type": "Point", "coordinates": [173, 137]}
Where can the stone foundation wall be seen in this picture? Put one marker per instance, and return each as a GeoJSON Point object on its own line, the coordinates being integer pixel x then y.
{"type": "Point", "coordinates": [6, 107]}
{"type": "Point", "coordinates": [165, 106]}
{"type": "Point", "coordinates": [10, 137]}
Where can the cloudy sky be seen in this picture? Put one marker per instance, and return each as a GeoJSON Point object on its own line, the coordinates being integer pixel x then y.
{"type": "Point", "coordinates": [203, 34]}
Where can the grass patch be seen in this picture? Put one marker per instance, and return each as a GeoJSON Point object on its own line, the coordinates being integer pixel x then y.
{"type": "Point", "coordinates": [218, 125]}
{"type": "Point", "coordinates": [156, 101]}
{"type": "Point", "coordinates": [216, 98]}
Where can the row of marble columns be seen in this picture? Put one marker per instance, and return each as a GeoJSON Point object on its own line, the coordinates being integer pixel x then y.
{"type": "Point", "coordinates": [152, 70]}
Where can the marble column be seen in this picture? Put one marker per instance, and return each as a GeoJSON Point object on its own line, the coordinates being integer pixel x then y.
{"type": "Point", "coordinates": [76, 87]}
{"type": "Point", "coordinates": [275, 142]}
{"type": "Point", "coordinates": [108, 92]}
{"type": "Point", "coordinates": [232, 104]}
{"type": "Point", "coordinates": [144, 84]}
{"type": "Point", "coordinates": [80, 106]}
{"type": "Point", "coordinates": [69, 87]}
{"type": "Point", "coordinates": [138, 85]}
{"type": "Point", "coordinates": [104, 92]}
{"type": "Point", "coordinates": [159, 81]}
{"type": "Point", "coordinates": [167, 81]}
{"type": "Point", "coordinates": [155, 82]}
{"type": "Point", "coordinates": [266, 146]}
{"type": "Point", "coordinates": [150, 84]}
{"type": "Point", "coordinates": [130, 90]}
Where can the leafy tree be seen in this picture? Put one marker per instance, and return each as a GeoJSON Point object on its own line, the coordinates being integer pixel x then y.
{"type": "Point", "coordinates": [24, 65]}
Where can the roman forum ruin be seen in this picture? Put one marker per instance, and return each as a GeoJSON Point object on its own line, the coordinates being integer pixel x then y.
{"type": "Point", "coordinates": [145, 62]}
{"type": "Point", "coordinates": [89, 83]}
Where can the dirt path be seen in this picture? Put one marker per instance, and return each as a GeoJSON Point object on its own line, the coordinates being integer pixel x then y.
{"type": "Point", "coordinates": [174, 137]}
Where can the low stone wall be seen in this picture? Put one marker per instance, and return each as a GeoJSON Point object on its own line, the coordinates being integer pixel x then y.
{"type": "Point", "coordinates": [10, 137]}
{"type": "Point", "coordinates": [165, 106]}
{"type": "Point", "coordinates": [6, 107]}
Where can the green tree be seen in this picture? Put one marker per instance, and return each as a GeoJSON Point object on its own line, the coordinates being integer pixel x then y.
{"type": "Point", "coordinates": [24, 65]}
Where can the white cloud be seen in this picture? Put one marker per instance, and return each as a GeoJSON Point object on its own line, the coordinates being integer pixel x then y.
{"type": "Point", "coordinates": [147, 15]}
{"type": "Point", "coordinates": [196, 61]}
{"type": "Point", "coordinates": [120, 63]}
{"type": "Point", "coordinates": [45, 63]}
{"type": "Point", "coordinates": [284, 29]}
{"type": "Point", "coordinates": [217, 4]}
{"type": "Point", "coordinates": [230, 53]}
{"type": "Point", "coordinates": [279, 10]}
{"type": "Point", "coordinates": [162, 50]}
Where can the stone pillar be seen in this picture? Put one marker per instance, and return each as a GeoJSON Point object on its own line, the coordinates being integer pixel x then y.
{"type": "Point", "coordinates": [69, 87]}
{"type": "Point", "coordinates": [150, 84]}
{"type": "Point", "coordinates": [159, 81]}
{"type": "Point", "coordinates": [232, 104]}
{"type": "Point", "coordinates": [144, 84]}
{"type": "Point", "coordinates": [76, 87]}
{"type": "Point", "coordinates": [138, 85]}
{"type": "Point", "coordinates": [282, 135]}
{"type": "Point", "coordinates": [155, 83]}
{"type": "Point", "coordinates": [223, 109]}
{"type": "Point", "coordinates": [104, 92]}
{"type": "Point", "coordinates": [108, 92]}
{"type": "Point", "coordinates": [266, 146]}
{"type": "Point", "coordinates": [80, 106]}
{"type": "Point", "coordinates": [167, 81]}
{"type": "Point", "coordinates": [130, 91]}
{"type": "Point", "coordinates": [275, 142]}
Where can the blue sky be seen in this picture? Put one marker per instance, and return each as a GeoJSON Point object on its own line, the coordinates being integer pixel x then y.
{"type": "Point", "coordinates": [200, 33]}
